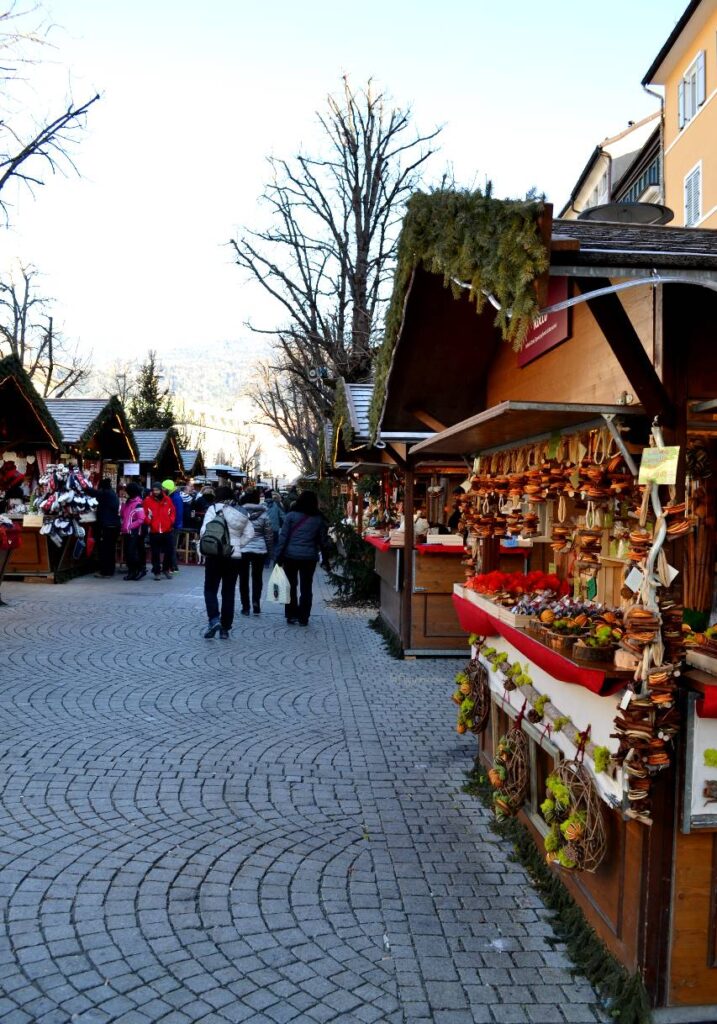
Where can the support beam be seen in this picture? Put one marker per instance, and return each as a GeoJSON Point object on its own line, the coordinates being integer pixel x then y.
{"type": "Point", "coordinates": [425, 417]}
{"type": "Point", "coordinates": [396, 456]}
{"type": "Point", "coordinates": [407, 593]}
{"type": "Point", "coordinates": [625, 343]}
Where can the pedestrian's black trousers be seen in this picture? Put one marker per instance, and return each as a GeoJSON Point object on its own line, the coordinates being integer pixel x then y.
{"type": "Point", "coordinates": [251, 565]}
{"type": "Point", "coordinates": [224, 572]}
{"type": "Point", "coordinates": [301, 571]}
{"type": "Point", "coordinates": [134, 552]}
{"type": "Point", "coordinates": [160, 544]}
{"type": "Point", "coordinates": [106, 547]}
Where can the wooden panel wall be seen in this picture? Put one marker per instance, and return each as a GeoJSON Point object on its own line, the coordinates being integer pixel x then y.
{"type": "Point", "coordinates": [693, 963]}
{"type": "Point", "coordinates": [568, 372]}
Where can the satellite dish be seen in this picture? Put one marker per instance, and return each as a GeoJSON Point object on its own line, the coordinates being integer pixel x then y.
{"type": "Point", "coordinates": [628, 213]}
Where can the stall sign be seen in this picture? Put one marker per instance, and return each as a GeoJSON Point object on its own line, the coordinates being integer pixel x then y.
{"type": "Point", "coordinates": [548, 329]}
{"type": "Point", "coordinates": [131, 468]}
{"type": "Point", "coordinates": [659, 466]}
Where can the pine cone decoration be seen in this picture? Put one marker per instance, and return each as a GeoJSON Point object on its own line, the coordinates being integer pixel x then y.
{"type": "Point", "coordinates": [571, 852]}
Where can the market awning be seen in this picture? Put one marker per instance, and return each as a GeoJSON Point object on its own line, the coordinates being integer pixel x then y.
{"type": "Point", "coordinates": [513, 422]}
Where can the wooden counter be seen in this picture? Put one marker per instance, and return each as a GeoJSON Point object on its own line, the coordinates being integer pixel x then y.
{"type": "Point", "coordinates": [38, 559]}
{"type": "Point", "coordinates": [435, 629]}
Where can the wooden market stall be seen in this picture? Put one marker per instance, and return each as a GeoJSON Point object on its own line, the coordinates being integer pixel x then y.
{"type": "Point", "coordinates": [420, 614]}
{"type": "Point", "coordinates": [97, 434]}
{"type": "Point", "coordinates": [618, 363]}
{"type": "Point", "coordinates": [192, 463]}
{"type": "Point", "coordinates": [158, 455]}
{"type": "Point", "coordinates": [29, 440]}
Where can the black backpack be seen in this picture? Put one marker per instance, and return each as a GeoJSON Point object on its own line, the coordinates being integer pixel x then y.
{"type": "Point", "coordinates": [216, 539]}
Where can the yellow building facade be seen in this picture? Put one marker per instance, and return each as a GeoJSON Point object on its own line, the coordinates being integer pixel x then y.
{"type": "Point", "coordinates": [686, 70]}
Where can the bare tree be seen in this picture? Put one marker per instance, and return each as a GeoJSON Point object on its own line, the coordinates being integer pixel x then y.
{"type": "Point", "coordinates": [329, 253]}
{"type": "Point", "coordinates": [249, 450]}
{"type": "Point", "coordinates": [27, 331]}
{"type": "Point", "coordinates": [285, 406]}
{"type": "Point", "coordinates": [30, 147]}
{"type": "Point", "coordinates": [120, 380]}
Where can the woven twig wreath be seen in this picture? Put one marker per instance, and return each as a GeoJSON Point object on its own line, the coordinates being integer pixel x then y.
{"type": "Point", "coordinates": [510, 773]}
{"type": "Point", "coordinates": [579, 828]}
{"type": "Point", "coordinates": [480, 695]}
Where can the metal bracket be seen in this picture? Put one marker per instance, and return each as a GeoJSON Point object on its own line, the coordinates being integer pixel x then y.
{"type": "Point", "coordinates": [609, 418]}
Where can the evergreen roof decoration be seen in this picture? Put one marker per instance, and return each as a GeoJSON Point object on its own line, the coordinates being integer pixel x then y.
{"type": "Point", "coordinates": [494, 246]}
{"type": "Point", "coordinates": [81, 419]}
{"type": "Point", "coordinates": [342, 417]}
{"type": "Point", "coordinates": [10, 366]}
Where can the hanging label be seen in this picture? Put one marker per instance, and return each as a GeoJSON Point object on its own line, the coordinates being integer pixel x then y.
{"type": "Point", "coordinates": [634, 580]}
{"type": "Point", "coordinates": [672, 574]}
{"type": "Point", "coordinates": [553, 445]}
{"type": "Point", "coordinates": [659, 466]}
{"type": "Point", "coordinates": [574, 479]}
{"type": "Point", "coordinates": [476, 465]}
{"type": "Point", "coordinates": [552, 569]}
{"type": "Point", "coordinates": [591, 589]}
{"type": "Point", "coordinates": [625, 702]}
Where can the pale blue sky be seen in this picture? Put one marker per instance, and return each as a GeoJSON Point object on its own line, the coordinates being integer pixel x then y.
{"type": "Point", "coordinates": [195, 96]}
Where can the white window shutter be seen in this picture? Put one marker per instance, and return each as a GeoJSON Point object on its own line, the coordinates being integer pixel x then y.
{"type": "Point", "coordinates": [681, 104]}
{"type": "Point", "coordinates": [688, 201]}
{"type": "Point", "coordinates": [701, 81]}
{"type": "Point", "coordinates": [697, 194]}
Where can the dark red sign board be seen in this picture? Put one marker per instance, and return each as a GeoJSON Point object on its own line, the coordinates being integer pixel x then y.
{"type": "Point", "coordinates": [547, 331]}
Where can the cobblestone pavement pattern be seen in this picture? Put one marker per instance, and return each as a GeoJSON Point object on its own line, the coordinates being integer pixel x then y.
{"type": "Point", "coordinates": [269, 829]}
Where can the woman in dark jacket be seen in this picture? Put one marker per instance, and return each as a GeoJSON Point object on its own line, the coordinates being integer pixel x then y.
{"type": "Point", "coordinates": [303, 537]}
{"type": "Point", "coordinates": [107, 526]}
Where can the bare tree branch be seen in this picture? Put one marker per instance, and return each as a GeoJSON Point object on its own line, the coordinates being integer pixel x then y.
{"type": "Point", "coordinates": [327, 257]}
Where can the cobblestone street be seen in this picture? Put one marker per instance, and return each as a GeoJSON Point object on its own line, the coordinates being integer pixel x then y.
{"type": "Point", "coordinates": [268, 829]}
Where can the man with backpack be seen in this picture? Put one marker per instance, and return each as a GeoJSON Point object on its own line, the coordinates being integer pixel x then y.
{"type": "Point", "coordinates": [225, 531]}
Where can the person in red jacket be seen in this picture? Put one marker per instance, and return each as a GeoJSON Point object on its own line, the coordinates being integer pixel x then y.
{"type": "Point", "coordinates": [160, 513]}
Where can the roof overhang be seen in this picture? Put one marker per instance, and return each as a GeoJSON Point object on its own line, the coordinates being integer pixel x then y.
{"type": "Point", "coordinates": [695, 15]}
{"type": "Point", "coordinates": [511, 423]}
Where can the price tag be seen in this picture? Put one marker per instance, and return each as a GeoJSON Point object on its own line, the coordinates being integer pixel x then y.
{"type": "Point", "coordinates": [634, 580]}
{"type": "Point", "coordinates": [591, 589]}
{"type": "Point", "coordinates": [659, 466]}
{"type": "Point", "coordinates": [551, 569]}
{"type": "Point", "coordinates": [625, 702]}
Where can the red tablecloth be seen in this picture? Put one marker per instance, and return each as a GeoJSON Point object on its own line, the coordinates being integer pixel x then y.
{"type": "Point", "coordinates": [439, 549]}
{"type": "Point", "coordinates": [707, 707]}
{"type": "Point", "coordinates": [475, 620]}
{"type": "Point", "coordinates": [378, 542]}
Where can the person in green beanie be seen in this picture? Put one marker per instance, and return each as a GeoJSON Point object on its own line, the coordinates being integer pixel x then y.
{"type": "Point", "coordinates": [170, 488]}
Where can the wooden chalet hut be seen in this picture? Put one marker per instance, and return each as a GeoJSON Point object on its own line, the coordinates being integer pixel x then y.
{"type": "Point", "coordinates": [158, 455]}
{"type": "Point", "coordinates": [96, 432]}
{"type": "Point", "coordinates": [611, 366]}
{"type": "Point", "coordinates": [192, 463]}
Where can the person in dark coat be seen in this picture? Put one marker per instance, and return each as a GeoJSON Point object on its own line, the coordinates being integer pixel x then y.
{"type": "Point", "coordinates": [107, 526]}
{"type": "Point", "coordinates": [303, 537]}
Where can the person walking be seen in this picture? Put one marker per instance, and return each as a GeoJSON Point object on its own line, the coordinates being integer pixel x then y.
{"type": "Point", "coordinates": [107, 525]}
{"type": "Point", "coordinates": [224, 571]}
{"type": "Point", "coordinates": [255, 551]}
{"type": "Point", "coordinates": [159, 510]}
{"type": "Point", "coordinates": [276, 514]}
{"type": "Point", "coordinates": [133, 519]}
{"type": "Point", "coordinates": [303, 537]}
{"type": "Point", "coordinates": [169, 487]}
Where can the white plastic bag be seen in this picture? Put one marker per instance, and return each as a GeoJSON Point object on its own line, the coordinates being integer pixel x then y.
{"type": "Point", "coordinates": [278, 589]}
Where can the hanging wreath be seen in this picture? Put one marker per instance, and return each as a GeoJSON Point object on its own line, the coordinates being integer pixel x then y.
{"type": "Point", "coordinates": [572, 810]}
{"type": "Point", "coordinates": [472, 698]}
{"type": "Point", "coordinates": [510, 774]}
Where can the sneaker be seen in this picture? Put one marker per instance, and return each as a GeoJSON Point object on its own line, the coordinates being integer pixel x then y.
{"type": "Point", "coordinates": [175, 571]}
{"type": "Point", "coordinates": [223, 634]}
{"type": "Point", "coordinates": [142, 574]}
{"type": "Point", "coordinates": [167, 575]}
{"type": "Point", "coordinates": [291, 622]}
{"type": "Point", "coordinates": [245, 611]}
{"type": "Point", "coordinates": [257, 609]}
{"type": "Point", "coordinates": [303, 623]}
{"type": "Point", "coordinates": [156, 576]}
{"type": "Point", "coordinates": [211, 629]}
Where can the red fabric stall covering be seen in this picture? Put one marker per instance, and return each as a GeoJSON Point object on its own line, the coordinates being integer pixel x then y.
{"type": "Point", "coordinates": [439, 549]}
{"type": "Point", "coordinates": [475, 620]}
{"type": "Point", "coordinates": [376, 542]}
{"type": "Point", "coordinates": [707, 707]}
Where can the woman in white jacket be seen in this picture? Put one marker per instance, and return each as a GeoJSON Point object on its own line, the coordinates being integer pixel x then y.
{"type": "Point", "coordinates": [224, 571]}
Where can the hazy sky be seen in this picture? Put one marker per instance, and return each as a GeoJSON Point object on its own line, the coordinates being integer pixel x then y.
{"type": "Point", "coordinates": [196, 95]}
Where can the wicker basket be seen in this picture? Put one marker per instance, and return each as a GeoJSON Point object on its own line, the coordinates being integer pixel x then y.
{"type": "Point", "coordinates": [581, 652]}
{"type": "Point", "coordinates": [559, 642]}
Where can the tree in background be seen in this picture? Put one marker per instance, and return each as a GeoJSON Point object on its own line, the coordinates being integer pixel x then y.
{"type": "Point", "coordinates": [329, 253]}
{"type": "Point", "coordinates": [249, 452]}
{"type": "Point", "coordinates": [31, 147]}
{"type": "Point", "coordinates": [150, 406]}
{"type": "Point", "coordinates": [27, 331]}
{"type": "Point", "coordinates": [289, 409]}
{"type": "Point", "coordinates": [120, 380]}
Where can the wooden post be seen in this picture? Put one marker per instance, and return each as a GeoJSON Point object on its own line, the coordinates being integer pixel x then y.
{"type": "Point", "coordinates": [407, 594]}
{"type": "Point", "coordinates": [359, 513]}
